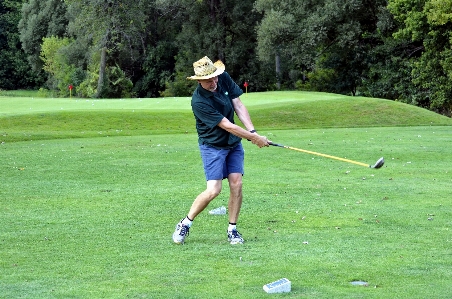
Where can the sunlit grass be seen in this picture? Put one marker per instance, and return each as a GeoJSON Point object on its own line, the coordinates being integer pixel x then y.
{"type": "Point", "coordinates": [39, 119]}
{"type": "Point", "coordinates": [91, 215]}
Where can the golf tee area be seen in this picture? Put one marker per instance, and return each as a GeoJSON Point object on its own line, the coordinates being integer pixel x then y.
{"type": "Point", "coordinates": [91, 191]}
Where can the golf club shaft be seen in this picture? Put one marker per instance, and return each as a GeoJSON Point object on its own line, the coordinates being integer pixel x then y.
{"type": "Point", "coordinates": [321, 155]}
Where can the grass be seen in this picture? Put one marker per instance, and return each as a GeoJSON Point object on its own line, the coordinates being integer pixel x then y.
{"type": "Point", "coordinates": [39, 119]}
{"type": "Point", "coordinates": [19, 93]}
{"type": "Point", "coordinates": [88, 211]}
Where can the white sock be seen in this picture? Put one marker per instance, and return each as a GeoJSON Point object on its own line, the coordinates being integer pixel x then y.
{"type": "Point", "coordinates": [187, 222]}
{"type": "Point", "coordinates": [232, 227]}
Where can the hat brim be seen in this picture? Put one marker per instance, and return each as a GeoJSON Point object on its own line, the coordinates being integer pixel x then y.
{"type": "Point", "coordinates": [220, 70]}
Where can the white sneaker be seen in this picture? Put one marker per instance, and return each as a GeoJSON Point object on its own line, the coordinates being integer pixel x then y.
{"type": "Point", "coordinates": [180, 233]}
{"type": "Point", "coordinates": [234, 237]}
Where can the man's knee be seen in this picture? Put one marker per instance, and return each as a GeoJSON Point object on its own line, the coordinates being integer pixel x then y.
{"type": "Point", "coordinates": [212, 193]}
{"type": "Point", "coordinates": [235, 181]}
{"type": "Point", "coordinates": [213, 189]}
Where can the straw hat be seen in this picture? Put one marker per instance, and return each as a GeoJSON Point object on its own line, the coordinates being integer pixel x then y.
{"type": "Point", "coordinates": [206, 69]}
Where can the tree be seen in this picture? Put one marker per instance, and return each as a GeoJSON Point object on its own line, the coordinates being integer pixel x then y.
{"type": "Point", "coordinates": [115, 29]}
{"type": "Point", "coordinates": [41, 19]}
{"type": "Point", "coordinates": [325, 37]}
{"type": "Point", "coordinates": [108, 27]}
{"type": "Point", "coordinates": [219, 30]}
{"type": "Point", "coordinates": [389, 74]}
{"type": "Point", "coordinates": [15, 72]}
{"type": "Point", "coordinates": [56, 63]}
{"type": "Point", "coordinates": [428, 23]}
{"type": "Point", "coordinates": [157, 66]}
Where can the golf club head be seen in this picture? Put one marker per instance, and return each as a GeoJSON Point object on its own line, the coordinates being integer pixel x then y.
{"type": "Point", "coordinates": [379, 163]}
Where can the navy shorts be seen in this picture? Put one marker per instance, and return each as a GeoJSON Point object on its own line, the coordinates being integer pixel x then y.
{"type": "Point", "coordinates": [219, 163]}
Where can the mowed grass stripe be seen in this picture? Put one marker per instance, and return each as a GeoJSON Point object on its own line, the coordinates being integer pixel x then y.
{"type": "Point", "coordinates": [90, 217]}
{"type": "Point", "coordinates": [113, 118]}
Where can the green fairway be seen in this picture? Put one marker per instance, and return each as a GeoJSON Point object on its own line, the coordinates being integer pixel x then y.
{"type": "Point", "coordinates": [24, 119]}
{"type": "Point", "coordinates": [92, 189]}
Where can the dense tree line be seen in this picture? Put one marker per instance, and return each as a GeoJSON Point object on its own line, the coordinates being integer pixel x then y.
{"type": "Point", "coordinates": [15, 71]}
{"type": "Point", "coordinates": [393, 49]}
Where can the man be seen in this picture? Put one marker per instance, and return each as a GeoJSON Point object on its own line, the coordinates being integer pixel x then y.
{"type": "Point", "coordinates": [214, 103]}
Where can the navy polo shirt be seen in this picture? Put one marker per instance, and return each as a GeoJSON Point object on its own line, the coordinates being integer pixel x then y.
{"type": "Point", "coordinates": [209, 108]}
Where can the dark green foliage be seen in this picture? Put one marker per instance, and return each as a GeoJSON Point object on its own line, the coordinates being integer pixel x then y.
{"type": "Point", "coordinates": [41, 19]}
{"type": "Point", "coordinates": [397, 49]}
{"type": "Point", "coordinates": [222, 30]}
{"type": "Point", "coordinates": [330, 39]}
{"type": "Point", "coordinates": [15, 72]}
{"type": "Point", "coordinates": [427, 24]}
{"type": "Point", "coordinates": [158, 60]}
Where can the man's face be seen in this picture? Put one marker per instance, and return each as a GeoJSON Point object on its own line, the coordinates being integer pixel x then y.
{"type": "Point", "coordinates": [209, 84]}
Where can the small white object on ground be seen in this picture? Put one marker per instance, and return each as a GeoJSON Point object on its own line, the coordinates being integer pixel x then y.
{"type": "Point", "coordinates": [218, 211]}
{"type": "Point", "coordinates": [280, 286]}
{"type": "Point", "coordinates": [360, 283]}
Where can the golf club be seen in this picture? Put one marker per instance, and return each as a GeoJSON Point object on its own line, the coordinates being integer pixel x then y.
{"type": "Point", "coordinates": [377, 164]}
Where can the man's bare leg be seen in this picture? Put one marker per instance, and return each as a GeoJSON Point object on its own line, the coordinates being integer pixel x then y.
{"type": "Point", "coordinates": [200, 203]}
{"type": "Point", "coordinates": [235, 197]}
{"type": "Point", "coordinates": [234, 205]}
{"type": "Point", "coordinates": [202, 200]}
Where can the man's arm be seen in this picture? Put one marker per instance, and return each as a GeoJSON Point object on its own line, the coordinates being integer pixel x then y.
{"type": "Point", "coordinates": [244, 117]}
{"type": "Point", "coordinates": [255, 138]}
{"type": "Point", "coordinates": [242, 114]}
